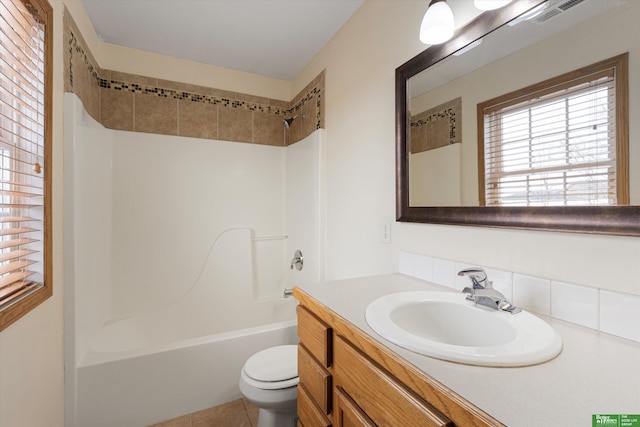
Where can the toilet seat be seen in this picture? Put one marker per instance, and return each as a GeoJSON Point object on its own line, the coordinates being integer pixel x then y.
{"type": "Point", "coordinates": [273, 368]}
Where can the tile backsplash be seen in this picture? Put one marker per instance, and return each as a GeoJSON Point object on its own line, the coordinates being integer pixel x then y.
{"type": "Point", "coordinates": [611, 312]}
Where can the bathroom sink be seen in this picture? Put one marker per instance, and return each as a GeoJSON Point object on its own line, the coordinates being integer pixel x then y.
{"type": "Point", "coordinates": [447, 326]}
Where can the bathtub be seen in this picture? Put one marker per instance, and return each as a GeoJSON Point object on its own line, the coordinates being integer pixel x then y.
{"type": "Point", "coordinates": [187, 356]}
{"type": "Point", "coordinates": [146, 385]}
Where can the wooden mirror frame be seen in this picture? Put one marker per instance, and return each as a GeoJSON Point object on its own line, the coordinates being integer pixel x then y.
{"type": "Point", "coordinates": [614, 220]}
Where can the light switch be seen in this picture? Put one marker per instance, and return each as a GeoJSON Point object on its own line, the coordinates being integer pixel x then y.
{"type": "Point", "coordinates": [385, 231]}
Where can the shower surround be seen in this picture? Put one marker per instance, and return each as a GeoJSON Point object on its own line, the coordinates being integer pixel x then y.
{"type": "Point", "coordinates": [177, 252]}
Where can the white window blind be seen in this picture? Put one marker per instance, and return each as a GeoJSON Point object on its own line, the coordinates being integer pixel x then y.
{"type": "Point", "coordinates": [555, 146]}
{"type": "Point", "coordinates": [22, 150]}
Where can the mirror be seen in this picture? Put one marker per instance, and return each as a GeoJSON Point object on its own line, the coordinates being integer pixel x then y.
{"type": "Point", "coordinates": [445, 89]}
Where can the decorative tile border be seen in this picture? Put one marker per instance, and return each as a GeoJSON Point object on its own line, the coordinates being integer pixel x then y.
{"type": "Point", "coordinates": [75, 48]}
{"type": "Point", "coordinates": [315, 92]}
{"type": "Point", "coordinates": [426, 136]}
{"type": "Point", "coordinates": [191, 96]}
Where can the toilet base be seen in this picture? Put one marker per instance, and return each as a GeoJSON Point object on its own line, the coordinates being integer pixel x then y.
{"type": "Point", "coordinates": [269, 418]}
{"type": "Point", "coordinates": [277, 408]}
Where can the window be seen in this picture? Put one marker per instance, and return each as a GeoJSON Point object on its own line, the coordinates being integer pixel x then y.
{"type": "Point", "coordinates": [25, 157]}
{"type": "Point", "coordinates": [562, 142]}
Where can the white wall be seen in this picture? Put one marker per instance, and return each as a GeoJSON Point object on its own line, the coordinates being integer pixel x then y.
{"type": "Point", "coordinates": [360, 63]}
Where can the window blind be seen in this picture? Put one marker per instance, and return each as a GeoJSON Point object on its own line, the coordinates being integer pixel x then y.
{"type": "Point", "coordinates": [555, 146]}
{"type": "Point", "coordinates": [22, 151]}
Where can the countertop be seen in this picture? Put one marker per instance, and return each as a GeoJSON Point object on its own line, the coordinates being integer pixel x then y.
{"type": "Point", "coordinates": [596, 373]}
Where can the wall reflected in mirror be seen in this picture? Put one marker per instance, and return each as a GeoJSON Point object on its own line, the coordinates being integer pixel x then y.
{"type": "Point", "coordinates": [511, 58]}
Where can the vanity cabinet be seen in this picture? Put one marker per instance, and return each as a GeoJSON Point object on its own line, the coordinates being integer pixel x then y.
{"type": "Point", "coordinates": [348, 379]}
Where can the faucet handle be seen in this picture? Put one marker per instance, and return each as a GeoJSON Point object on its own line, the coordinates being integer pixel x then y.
{"type": "Point", "coordinates": [297, 260]}
{"type": "Point", "coordinates": [477, 275]}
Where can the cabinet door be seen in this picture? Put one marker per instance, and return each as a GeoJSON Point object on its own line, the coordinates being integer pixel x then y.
{"type": "Point", "coordinates": [381, 396]}
{"type": "Point", "coordinates": [347, 413]}
{"type": "Point", "coordinates": [309, 414]}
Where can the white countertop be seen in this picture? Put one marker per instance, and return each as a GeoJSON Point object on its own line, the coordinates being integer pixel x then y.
{"type": "Point", "coordinates": [596, 373]}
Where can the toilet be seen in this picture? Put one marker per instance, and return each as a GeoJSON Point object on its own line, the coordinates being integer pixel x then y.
{"type": "Point", "coordinates": [269, 380]}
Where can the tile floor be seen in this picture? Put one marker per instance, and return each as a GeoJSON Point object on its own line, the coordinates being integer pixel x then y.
{"type": "Point", "coordinates": [239, 413]}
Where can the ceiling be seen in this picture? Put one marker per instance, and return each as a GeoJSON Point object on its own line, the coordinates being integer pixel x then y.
{"type": "Point", "coordinates": [274, 38]}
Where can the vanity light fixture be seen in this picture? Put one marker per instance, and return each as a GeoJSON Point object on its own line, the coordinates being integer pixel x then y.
{"type": "Point", "coordinates": [490, 4]}
{"type": "Point", "coordinates": [437, 25]}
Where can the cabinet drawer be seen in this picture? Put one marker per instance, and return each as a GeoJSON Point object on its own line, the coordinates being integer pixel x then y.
{"type": "Point", "coordinates": [364, 382]}
{"type": "Point", "coordinates": [348, 414]}
{"type": "Point", "coordinates": [308, 412]}
{"type": "Point", "coordinates": [316, 379]}
{"type": "Point", "coordinates": [315, 335]}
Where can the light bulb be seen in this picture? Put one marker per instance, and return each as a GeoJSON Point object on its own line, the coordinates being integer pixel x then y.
{"type": "Point", "coordinates": [490, 4]}
{"type": "Point", "coordinates": [437, 25]}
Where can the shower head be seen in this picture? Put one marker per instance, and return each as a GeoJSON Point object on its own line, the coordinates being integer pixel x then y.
{"type": "Point", "coordinates": [287, 122]}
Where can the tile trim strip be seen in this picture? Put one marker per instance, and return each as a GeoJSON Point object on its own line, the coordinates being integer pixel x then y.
{"type": "Point", "coordinates": [119, 85]}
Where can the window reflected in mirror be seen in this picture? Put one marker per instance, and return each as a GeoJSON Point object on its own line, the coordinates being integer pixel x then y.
{"type": "Point", "coordinates": [556, 143]}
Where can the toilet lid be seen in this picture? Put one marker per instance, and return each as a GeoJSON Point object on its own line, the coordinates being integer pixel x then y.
{"type": "Point", "coordinates": [273, 364]}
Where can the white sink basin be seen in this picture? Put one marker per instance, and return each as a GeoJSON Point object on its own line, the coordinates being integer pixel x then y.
{"type": "Point", "coordinates": [446, 326]}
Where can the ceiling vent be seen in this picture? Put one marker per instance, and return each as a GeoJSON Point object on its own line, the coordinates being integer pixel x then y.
{"type": "Point", "coordinates": [555, 8]}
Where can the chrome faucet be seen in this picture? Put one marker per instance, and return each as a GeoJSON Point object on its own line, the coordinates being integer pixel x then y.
{"type": "Point", "coordinates": [482, 292]}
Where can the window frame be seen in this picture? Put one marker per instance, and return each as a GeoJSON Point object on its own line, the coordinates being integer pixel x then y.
{"type": "Point", "coordinates": [43, 12]}
{"type": "Point", "coordinates": [620, 64]}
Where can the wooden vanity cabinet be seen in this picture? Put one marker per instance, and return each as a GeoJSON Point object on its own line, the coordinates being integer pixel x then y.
{"type": "Point", "coordinates": [348, 379]}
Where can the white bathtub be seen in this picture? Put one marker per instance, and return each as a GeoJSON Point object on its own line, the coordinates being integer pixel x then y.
{"type": "Point", "coordinates": [146, 385]}
{"type": "Point", "coordinates": [187, 356]}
